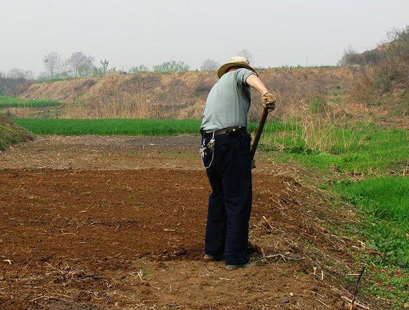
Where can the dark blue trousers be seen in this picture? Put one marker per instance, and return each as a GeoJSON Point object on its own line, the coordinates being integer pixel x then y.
{"type": "Point", "coordinates": [229, 207]}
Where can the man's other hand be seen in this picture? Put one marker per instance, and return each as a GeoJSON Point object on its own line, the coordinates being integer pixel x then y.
{"type": "Point", "coordinates": [268, 100]}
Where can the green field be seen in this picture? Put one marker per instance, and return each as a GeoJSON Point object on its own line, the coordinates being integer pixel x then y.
{"type": "Point", "coordinates": [109, 127]}
{"type": "Point", "coordinates": [14, 102]}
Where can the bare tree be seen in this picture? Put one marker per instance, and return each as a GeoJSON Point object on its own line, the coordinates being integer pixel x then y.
{"type": "Point", "coordinates": [209, 65]}
{"type": "Point", "coordinates": [52, 63]}
{"type": "Point", "coordinates": [80, 63]}
{"type": "Point", "coordinates": [17, 73]}
{"type": "Point", "coordinates": [245, 53]}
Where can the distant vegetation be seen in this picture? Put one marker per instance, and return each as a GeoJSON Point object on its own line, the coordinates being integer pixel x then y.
{"type": "Point", "coordinates": [138, 69]}
{"type": "Point", "coordinates": [10, 86]}
{"type": "Point", "coordinates": [171, 66]}
{"type": "Point", "coordinates": [80, 65]}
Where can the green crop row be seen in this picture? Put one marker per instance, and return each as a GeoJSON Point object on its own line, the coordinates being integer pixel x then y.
{"type": "Point", "coordinates": [14, 102]}
{"type": "Point", "coordinates": [108, 127]}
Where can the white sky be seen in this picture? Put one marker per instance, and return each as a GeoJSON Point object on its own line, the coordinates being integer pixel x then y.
{"type": "Point", "coordinates": [134, 32]}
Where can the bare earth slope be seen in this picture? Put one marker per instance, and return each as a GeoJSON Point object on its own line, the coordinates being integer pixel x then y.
{"type": "Point", "coordinates": [118, 222]}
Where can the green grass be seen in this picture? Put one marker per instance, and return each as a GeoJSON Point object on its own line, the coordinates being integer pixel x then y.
{"type": "Point", "coordinates": [11, 134]}
{"type": "Point", "coordinates": [108, 127]}
{"type": "Point", "coordinates": [13, 102]}
{"type": "Point", "coordinates": [379, 156]}
{"type": "Point", "coordinates": [131, 127]}
{"type": "Point", "coordinates": [385, 202]}
{"type": "Point", "coordinates": [364, 148]}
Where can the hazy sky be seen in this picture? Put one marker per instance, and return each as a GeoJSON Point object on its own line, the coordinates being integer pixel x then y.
{"type": "Point", "coordinates": [129, 33]}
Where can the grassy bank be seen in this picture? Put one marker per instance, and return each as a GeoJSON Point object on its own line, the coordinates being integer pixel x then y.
{"type": "Point", "coordinates": [383, 203]}
{"type": "Point", "coordinates": [14, 102]}
{"type": "Point", "coordinates": [384, 200]}
{"type": "Point", "coordinates": [378, 157]}
{"type": "Point", "coordinates": [362, 148]}
{"type": "Point", "coordinates": [367, 167]}
{"type": "Point", "coordinates": [11, 134]}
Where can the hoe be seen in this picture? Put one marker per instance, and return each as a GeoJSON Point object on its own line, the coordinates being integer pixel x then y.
{"type": "Point", "coordinates": [258, 135]}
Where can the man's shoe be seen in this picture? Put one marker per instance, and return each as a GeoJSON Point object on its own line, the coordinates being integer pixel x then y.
{"type": "Point", "coordinates": [235, 267]}
{"type": "Point", "coordinates": [208, 257]}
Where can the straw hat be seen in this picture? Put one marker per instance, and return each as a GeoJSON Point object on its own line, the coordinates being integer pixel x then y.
{"type": "Point", "coordinates": [236, 61]}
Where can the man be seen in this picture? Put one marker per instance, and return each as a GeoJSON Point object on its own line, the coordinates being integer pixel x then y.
{"type": "Point", "coordinates": [226, 157]}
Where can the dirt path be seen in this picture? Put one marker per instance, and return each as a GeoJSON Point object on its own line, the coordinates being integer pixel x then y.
{"type": "Point", "coordinates": [118, 222]}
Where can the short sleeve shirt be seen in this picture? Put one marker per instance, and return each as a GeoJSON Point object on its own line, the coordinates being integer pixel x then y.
{"type": "Point", "coordinates": [228, 102]}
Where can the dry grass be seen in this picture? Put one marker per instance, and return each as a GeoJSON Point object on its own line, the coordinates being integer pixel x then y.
{"type": "Point", "coordinates": [323, 133]}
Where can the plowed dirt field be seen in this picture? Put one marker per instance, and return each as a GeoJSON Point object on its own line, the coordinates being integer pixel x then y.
{"type": "Point", "coordinates": [118, 223]}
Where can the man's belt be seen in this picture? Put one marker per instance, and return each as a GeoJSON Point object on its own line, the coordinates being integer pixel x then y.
{"type": "Point", "coordinates": [230, 131]}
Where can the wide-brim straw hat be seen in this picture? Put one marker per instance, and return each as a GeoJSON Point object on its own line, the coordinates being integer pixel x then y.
{"type": "Point", "coordinates": [236, 61]}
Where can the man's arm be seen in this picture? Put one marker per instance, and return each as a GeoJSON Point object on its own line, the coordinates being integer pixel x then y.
{"type": "Point", "coordinates": [267, 99]}
{"type": "Point", "coordinates": [255, 82]}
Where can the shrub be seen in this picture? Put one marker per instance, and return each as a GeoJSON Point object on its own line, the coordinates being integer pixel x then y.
{"type": "Point", "coordinates": [138, 69]}
{"type": "Point", "coordinates": [171, 66]}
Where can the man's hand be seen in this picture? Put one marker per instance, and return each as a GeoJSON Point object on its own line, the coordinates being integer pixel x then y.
{"type": "Point", "coordinates": [268, 100]}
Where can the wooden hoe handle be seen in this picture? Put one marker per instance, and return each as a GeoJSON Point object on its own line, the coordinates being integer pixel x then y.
{"type": "Point", "coordinates": [258, 134]}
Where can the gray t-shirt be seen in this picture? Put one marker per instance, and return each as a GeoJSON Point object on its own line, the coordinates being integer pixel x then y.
{"type": "Point", "coordinates": [228, 101]}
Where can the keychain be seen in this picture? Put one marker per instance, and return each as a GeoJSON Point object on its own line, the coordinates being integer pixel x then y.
{"type": "Point", "coordinates": [210, 145]}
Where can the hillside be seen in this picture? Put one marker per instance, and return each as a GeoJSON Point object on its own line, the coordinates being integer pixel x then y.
{"type": "Point", "coordinates": [384, 78]}
{"type": "Point", "coordinates": [10, 133]}
{"type": "Point", "coordinates": [182, 95]}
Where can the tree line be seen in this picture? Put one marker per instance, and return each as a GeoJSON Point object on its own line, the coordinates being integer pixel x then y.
{"type": "Point", "coordinates": [81, 65]}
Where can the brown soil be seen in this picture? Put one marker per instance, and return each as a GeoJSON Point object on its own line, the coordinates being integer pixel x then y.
{"type": "Point", "coordinates": [118, 222]}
